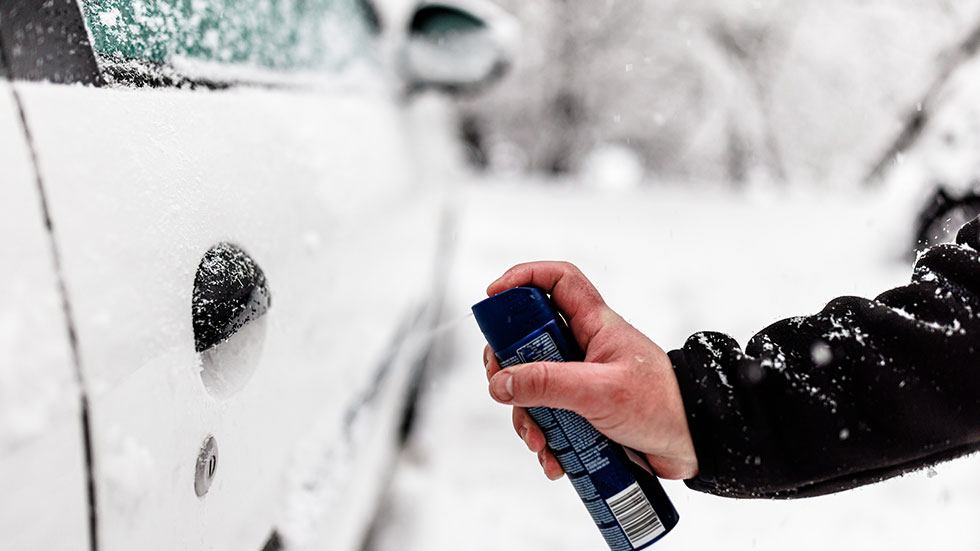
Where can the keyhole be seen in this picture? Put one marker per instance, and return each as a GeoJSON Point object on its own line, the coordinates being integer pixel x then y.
{"type": "Point", "coordinates": [207, 466]}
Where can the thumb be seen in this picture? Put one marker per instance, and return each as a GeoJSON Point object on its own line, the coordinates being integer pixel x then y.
{"type": "Point", "coordinates": [574, 386]}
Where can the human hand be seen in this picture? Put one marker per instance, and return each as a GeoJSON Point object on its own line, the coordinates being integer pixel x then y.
{"type": "Point", "coordinates": [625, 387]}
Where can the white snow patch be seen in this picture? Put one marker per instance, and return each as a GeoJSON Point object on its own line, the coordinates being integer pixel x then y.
{"type": "Point", "coordinates": [110, 17]}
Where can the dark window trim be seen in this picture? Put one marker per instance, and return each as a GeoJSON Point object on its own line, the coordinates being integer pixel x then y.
{"type": "Point", "coordinates": [146, 74]}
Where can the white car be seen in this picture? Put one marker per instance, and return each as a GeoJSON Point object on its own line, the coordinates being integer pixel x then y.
{"type": "Point", "coordinates": [222, 226]}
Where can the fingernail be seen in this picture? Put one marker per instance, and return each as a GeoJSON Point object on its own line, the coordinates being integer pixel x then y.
{"type": "Point", "coordinates": [486, 357]}
{"type": "Point", "coordinates": [502, 387]}
{"type": "Point", "coordinates": [523, 434]}
{"type": "Point", "coordinates": [541, 458]}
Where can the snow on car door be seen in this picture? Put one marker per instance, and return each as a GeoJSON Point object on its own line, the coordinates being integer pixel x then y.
{"type": "Point", "coordinates": [311, 184]}
{"type": "Point", "coordinates": [42, 463]}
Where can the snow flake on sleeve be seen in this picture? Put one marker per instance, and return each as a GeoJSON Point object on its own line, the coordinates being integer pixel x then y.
{"type": "Point", "coordinates": [949, 329]}
{"type": "Point", "coordinates": [716, 356]}
{"type": "Point", "coordinates": [842, 331]}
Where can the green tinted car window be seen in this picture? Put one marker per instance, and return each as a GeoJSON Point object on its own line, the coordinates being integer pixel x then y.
{"type": "Point", "coordinates": [275, 34]}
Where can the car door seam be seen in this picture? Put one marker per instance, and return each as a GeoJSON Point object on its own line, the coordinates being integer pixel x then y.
{"type": "Point", "coordinates": [69, 323]}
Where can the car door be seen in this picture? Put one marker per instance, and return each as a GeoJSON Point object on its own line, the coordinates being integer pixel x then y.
{"type": "Point", "coordinates": [43, 471]}
{"type": "Point", "coordinates": [311, 182]}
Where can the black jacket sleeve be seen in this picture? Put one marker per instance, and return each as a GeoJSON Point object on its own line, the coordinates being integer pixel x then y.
{"type": "Point", "coordinates": [862, 391]}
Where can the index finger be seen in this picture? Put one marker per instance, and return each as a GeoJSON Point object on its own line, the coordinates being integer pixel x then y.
{"type": "Point", "coordinates": [573, 293]}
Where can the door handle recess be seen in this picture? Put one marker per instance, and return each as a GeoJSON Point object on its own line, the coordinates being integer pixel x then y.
{"type": "Point", "coordinates": [230, 291]}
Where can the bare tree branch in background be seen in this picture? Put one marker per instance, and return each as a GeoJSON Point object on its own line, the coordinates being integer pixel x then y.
{"type": "Point", "coordinates": [799, 91]}
{"type": "Point", "coordinates": [918, 115]}
{"type": "Point", "coordinates": [747, 49]}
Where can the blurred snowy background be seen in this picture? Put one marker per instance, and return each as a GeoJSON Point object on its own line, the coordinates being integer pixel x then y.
{"type": "Point", "coordinates": [710, 165]}
{"type": "Point", "coordinates": [793, 93]}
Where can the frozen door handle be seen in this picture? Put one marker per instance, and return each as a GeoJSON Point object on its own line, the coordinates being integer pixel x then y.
{"type": "Point", "coordinates": [230, 291]}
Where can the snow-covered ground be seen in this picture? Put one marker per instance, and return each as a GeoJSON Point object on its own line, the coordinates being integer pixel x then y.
{"type": "Point", "coordinates": [672, 261]}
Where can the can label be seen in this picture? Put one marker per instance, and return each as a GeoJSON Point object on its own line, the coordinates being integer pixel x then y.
{"type": "Point", "coordinates": [593, 463]}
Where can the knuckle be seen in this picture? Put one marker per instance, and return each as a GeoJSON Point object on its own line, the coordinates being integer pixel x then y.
{"type": "Point", "coordinates": [534, 383]}
{"type": "Point", "coordinates": [522, 269]}
{"type": "Point", "coordinates": [569, 268]}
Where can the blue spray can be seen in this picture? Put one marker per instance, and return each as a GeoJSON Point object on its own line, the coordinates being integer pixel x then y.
{"type": "Point", "coordinates": [625, 499]}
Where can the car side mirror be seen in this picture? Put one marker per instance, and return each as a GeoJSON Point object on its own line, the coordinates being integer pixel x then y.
{"type": "Point", "coordinates": [457, 45]}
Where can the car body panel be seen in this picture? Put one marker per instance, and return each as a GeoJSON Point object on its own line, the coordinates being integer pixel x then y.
{"type": "Point", "coordinates": [42, 466]}
{"type": "Point", "coordinates": [319, 188]}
